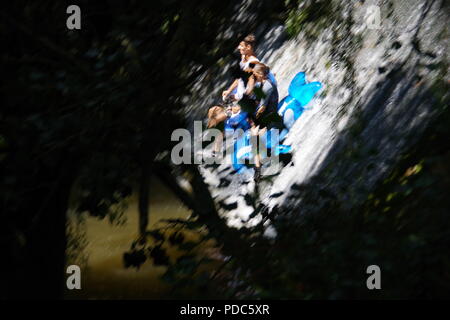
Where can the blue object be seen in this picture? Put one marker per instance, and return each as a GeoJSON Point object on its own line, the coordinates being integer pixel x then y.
{"type": "Point", "coordinates": [238, 121]}
{"type": "Point", "coordinates": [298, 80]}
{"type": "Point", "coordinates": [300, 94]}
{"type": "Point", "coordinates": [243, 148]}
{"type": "Point", "coordinates": [272, 79]}
{"type": "Point", "coordinates": [290, 109]}
{"type": "Point", "coordinates": [241, 152]}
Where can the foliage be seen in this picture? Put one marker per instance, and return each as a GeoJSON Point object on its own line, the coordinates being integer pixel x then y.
{"type": "Point", "coordinates": [76, 241]}
{"type": "Point", "coordinates": [303, 13]}
{"type": "Point", "coordinates": [85, 112]}
{"type": "Point", "coordinates": [403, 227]}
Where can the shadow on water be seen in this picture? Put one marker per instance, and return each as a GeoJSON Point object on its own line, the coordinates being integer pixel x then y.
{"type": "Point", "coordinates": [104, 275]}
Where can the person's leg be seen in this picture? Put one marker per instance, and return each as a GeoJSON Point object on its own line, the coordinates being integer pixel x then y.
{"type": "Point", "coordinates": [257, 175]}
{"type": "Point", "coordinates": [218, 144]}
{"type": "Point", "coordinates": [257, 159]}
{"type": "Point", "coordinates": [211, 116]}
{"type": "Point", "coordinates": [216, 115]}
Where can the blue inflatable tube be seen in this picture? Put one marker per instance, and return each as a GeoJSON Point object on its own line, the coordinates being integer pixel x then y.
{"type": "Point", "coordinates": [300, 94]}
{"type": "Point", "coordinates": [290, 109]}
{"type": "Point", "coordinates": [243, 151]}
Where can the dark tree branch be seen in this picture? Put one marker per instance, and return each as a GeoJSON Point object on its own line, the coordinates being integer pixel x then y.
{"type": "Point", "coordinates": [163, 173]}
{"type": "Point", "coordinates": [50, 45]}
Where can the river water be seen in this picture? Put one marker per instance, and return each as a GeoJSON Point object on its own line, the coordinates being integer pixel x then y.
{"type": "Point", "coordinates": [103, 274]}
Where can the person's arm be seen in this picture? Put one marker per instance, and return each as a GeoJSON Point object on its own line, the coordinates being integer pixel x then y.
{"type": "Point", "coordinates": [266, 92]}
{"type": "Point", "coordinates": [250, 85]}
{"type": "Point", "coordinates": [233, 86]}
{"type": "Point", "coordinates": [215, 116]}
{"type": "Point", "coordinates": [260, 111]}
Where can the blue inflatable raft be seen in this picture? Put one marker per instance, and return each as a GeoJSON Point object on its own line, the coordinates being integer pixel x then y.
{"type": "Point", "coordinates": [290, 109]}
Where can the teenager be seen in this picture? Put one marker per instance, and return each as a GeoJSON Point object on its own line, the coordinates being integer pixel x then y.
{"type": "Point", "coordinates": [243, 71]}
{"type": "Point", "coordinates": [247, 50]}
{"type": "Point", "coordinates": [265, 94]}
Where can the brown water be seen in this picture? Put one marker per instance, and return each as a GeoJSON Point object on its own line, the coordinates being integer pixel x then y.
{"type": "Point", "coordinates": [104, 276]}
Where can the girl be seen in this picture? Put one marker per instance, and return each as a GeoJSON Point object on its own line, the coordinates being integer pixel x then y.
{"type": "Point", "coordinates": [246, 49]}
{"type": "Point", "coordinates": [265, 109]}
{"type": "Point", "coordinates": [239, 87]}
{"type": "Point", "coordinates": [265, 94]}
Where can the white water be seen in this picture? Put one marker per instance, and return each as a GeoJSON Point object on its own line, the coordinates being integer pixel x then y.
{"type": "Point", "coordinates": [367, 79]}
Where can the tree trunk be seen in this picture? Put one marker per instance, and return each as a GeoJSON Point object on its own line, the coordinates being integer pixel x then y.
{"type": "Point", "coordinates": [37, 270]}
{"type": "Point", "coordinates": [144, 198]}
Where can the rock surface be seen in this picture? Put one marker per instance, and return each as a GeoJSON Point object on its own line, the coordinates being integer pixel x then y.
{"type": "Point", "coordinates": [376, 101]}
